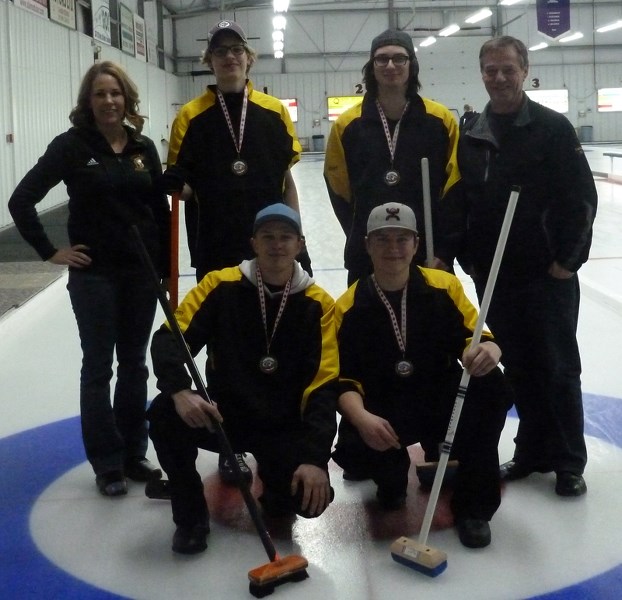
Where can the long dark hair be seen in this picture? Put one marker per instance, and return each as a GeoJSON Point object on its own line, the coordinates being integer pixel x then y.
{"type": "Point", "coordinates": [82, 114]}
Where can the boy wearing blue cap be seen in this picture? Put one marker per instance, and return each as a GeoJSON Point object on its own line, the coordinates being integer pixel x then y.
{"type": "Point", "coordinates": [272, 369]}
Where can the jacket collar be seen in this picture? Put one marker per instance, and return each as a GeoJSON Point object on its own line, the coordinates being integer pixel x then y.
{"type": "Point", "coordinates": [481, 128]}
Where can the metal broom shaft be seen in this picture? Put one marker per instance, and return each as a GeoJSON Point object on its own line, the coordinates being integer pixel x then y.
{"type": "Point", "coordinates": [464, 381]}
{"type": "Point", "coordinates": [427, 212]}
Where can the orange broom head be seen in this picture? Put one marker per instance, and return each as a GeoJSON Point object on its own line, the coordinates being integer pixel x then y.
{"type": "Point", "coordinates": [417, 556]}
{"type": "Point", "coordinates": [290, 568]}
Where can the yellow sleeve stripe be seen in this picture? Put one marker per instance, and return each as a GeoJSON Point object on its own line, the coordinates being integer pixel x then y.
{"type": "Point", "coordinates": [328, 369]}
{"type": "Point", "coordinates": [451, 169]}
{"type": "Point", "coordinates": [196, 296]}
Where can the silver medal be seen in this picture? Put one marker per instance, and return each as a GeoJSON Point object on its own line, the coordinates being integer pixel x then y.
{"type": "Point", "coordinates": [404, 368]}
{"type": "Point", "coordinates": [392, 177]}
{"type": "Point", "coordinates": [268, 364]}
{"type": "Point", "coordinates": [239, 167]}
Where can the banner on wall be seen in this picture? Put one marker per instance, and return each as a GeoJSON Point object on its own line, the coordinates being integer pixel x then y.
{"type": "Point", "coordinates": [63, 12]}
{"type": "Point", "coordinates": [140, 43]}
{"type": "Point", "coordinates": [101, 21]}
{"type": "Point", "coordinates": [553, 17]}
{"type": "Point", "coordinates": [152, 47]}
{"type": "Point", "coordinates": [38, 7]}
{"type": "Point", "coordinates": [126, 19]}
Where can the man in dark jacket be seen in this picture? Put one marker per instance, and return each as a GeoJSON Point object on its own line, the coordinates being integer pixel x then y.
{"type": "Point", "coordinates": [272, 370]}
{"type": "Point", "coordinates": [535, 308]}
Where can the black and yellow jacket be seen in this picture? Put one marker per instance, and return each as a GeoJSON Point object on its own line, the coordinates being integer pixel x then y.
{"type": "Point", "coordinates": [201, 153]}
{"type": "Point", "coordinates": [107, 193]}
{"type": "Point", "coordinates": [357, 158]}
{"type": "Point", "coordinates": [440, 324]}
{"type": "Point", "coordinates": [222, 313]}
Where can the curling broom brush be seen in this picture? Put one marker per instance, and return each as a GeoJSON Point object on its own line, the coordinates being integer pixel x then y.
{"type": "Point", "coordinates": [265, 578]}
{"type": "Point", "coordinates": [417, 554]}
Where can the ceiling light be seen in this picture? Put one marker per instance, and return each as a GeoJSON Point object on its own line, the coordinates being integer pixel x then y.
{"type": "Point", "coordinates": [278, 46]}
{"type": "Point", "coordinates": [280, 5]}
{"type": "Point", "coordinates": [428, 41]}
{"type": "Point", "coordinates": [571, 38]}
{"type": "Point", "coordinates": [449, 30]}
{"type": "Point", "coordinates": [279, 54]}
{"type": "Point", "coordinates": [279, 22]}
{"type": "Point", "coordinates": [278, 36]}
{"type": "Point", "coordinates": [539, 46]}
{"type": "Point", "coordinates": [480, 15]}
{"type": "Point", "coordinates": [508, 2]}
{"type": "Point", "coordinates": [615, 25]}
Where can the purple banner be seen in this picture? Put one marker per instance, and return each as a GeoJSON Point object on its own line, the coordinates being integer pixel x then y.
{"type": "Point", "coordinates": [553, 17]}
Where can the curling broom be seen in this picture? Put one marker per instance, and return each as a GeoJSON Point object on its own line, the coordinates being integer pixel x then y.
{"type": "Point", "coordinates": [427, 470]}
{"type": "Point", "coordinates": [265, 578]}
{"type": "Point", "coordinates": [173, 286]}
{"type": "Point", "coordinates": [417, 554]}
{"type": "Point", "coordinates": [427, 212]}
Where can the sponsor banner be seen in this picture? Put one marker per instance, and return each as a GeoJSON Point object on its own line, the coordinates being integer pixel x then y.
{"type": "Point", "coordinates": [126, 18]}
{"type": "Point", "coordinates": [63, 12]}
{"type": "Point", "coordinates": [101, 21]}
{"type": "Point", "coordinates": [38, 7]}
{"type": "Point", "coordinates": [140, 43]}
{"type": "Point", "coordinates": [152, 46]}
{"type": "Point", "coordinates": [553, 17]}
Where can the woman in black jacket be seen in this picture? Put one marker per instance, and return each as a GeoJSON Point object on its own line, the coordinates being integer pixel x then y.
{"type": "Point", "coordinates": [109, 169]}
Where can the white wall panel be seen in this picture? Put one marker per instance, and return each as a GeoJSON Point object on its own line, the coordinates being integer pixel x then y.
{"type": "Point", "coordinates": [41, 90]}
{"type": "Point", "coordinates": [41, 67]}
{"type": "Point", "coordinates": [7, 161]}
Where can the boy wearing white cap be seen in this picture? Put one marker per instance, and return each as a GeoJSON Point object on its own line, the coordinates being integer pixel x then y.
{"type": "Point", "coordinates": [272, 371]}
{"type": "Point", "coordinates": [401, 332]}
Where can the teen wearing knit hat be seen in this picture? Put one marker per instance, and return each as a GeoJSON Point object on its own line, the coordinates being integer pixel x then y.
{"type": "Point", "coordinates": [374, 149]}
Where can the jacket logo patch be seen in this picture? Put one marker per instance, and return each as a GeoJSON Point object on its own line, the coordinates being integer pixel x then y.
{"type": "Point", "coordinates": [139, 165]}
{"type": "Point", "coordinates": [92, 163]}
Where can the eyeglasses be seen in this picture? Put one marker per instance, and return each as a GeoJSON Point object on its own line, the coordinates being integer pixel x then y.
{"type": "Point", "coordinates": [382, 60]}
{"type": "Point", "coordinates": [236, 50]}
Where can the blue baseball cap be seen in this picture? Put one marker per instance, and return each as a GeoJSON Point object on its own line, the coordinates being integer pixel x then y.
{"type": "Point", "coordinates": [278, 212]}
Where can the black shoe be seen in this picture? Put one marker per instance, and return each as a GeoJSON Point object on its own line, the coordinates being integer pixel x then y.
{"type": "Point", "coordinates": [473, 533]}
{"type": "Point", "coordinates": [228, 475]}
{"type": "Point", "coordinates": [390, 500]}
{"type": "Point", "coordinates": [570, 484]}
{"type": "Point", "coordinates": [190, 539]}
{"type": "Point", "coordinates": [426, 473]}
{"type": "Point", "coordinates": [111, 483]}
{"type": "Point", "coordinates": [158, 489]}
{"type": "Point", "coordinates": [140, 469]}
{"type": "Point", "coordinates": [513, 470]}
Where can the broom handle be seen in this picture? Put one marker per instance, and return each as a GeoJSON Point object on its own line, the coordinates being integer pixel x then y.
{"type": "Point", "coordinates": [173, 288]}
{"type": "Point", "coordinates": [198, 382]}
{"type": "Point", "coordinates": [427, 212]}
{"type": "Point", "coordinates": [464, 381]}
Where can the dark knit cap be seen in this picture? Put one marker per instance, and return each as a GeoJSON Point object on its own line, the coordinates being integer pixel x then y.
{"type": "Point", "coordinates": [393, 37]}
